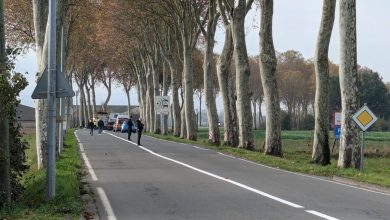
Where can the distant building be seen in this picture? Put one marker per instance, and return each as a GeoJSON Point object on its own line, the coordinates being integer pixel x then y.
{"type": "Point", "coordinates": [25, 115]}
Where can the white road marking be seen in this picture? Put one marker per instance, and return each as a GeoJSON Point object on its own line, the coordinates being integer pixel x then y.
{"type": "Point", "coordinates": [299, 174]}
{"type": "Point", "coordinates": [90, 169]}
{"type": "Point", "coordinates": [106, 203]}
{"type": "Point", "coordinates": [218, 177]}
{"type": "Point", "coordinates": [226, 155]}
{"type": "Point", "coordinates": [321, 215]}
{"type": "Point", "coordinates": [308, 176]}
{"type": "Point", "coordinates": [200, 148]}
{"type": "Point", "coordinates": [81, 147]}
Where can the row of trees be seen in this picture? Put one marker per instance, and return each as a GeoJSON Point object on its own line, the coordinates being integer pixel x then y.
{"type": "Point", "coordinates": [12, 147]}
{"type": "Point", "coordinates": [157, 46]}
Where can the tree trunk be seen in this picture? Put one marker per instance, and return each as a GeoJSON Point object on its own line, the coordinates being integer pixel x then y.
{"type": "Point", "coordinates": [200, 110]}
{"type": "Point", "coordinates": [175, 98]}
{"type": "Point", "coordinates": [188, 93]}
{"type": "Point", "coordinates": [150, 89]}
{"type": "Point", "coordinates": [89, 105]}
{"type": "Point", "coordinates": [5, 163]}
{"type": "Point", "coordinates": [260, 114]}
{"type": "Point", "coordinates": [164, 126]}
{"type": "Point", "coordinates": [107, 83]}
{"type": "Point", "coordinates": [156, 92]}
{"type": "Point", "coordinates": [273, 144]}
{"type": "Point", "coordinates": [94, 110]}
{"type": "Point", "coordinates": [127, 91]}
{"type": "Point", "coordinates": [321, 151]}
{"type": "Point", "coordinates": [84, 116]}
{"type": "Point", "coordinates": [242, 78]}
{"type": "Point", "coordinates": [227, 87]}
{"type": "Point", "coordinates": [254, 114]}
{"type": "Point", "coordinates": [208, 62]}
{"type": "Point", "coordinates": [349, 153]}
{"type": "Point", "coordinates": [40, 15]}
{"type": "Point", "coordinates": [183, 126]}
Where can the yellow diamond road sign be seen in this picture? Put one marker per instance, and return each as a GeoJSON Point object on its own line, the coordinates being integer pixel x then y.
{"type": "Point", "coordinates": [364, 118]}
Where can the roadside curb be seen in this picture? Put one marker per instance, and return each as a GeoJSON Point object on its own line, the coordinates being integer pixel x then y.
{"type": "Point", "coordinates": [361, 184]}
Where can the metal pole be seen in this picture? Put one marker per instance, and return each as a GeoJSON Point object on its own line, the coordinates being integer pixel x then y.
{"type": "Point", "coordinates": [51, 132]}
{"type": "Point", "coordinates": [362, 152]}
{"type": "Point", "coordinates": [62, 109]}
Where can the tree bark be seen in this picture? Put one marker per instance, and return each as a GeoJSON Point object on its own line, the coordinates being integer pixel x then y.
{"type": "Point", "coordinates": [89, 106]}
{"type": "Point", "coordinates": [254, 114]}
{"type": "Point", "coordinates": [227, 88]}
{"type": "Point", "coordinates": [156, 90]}
{"type": "Point", "coordinates": [188, 93]}
{"type": "Point", "coordinates": [260, 114]}
{"type": "Point", "coordinates": [107, 83]}
{"type": "Point", "coordinates": [242, 77]}
{"type": "Point", "coordinates": [273, 144]}
{"type": "Point", "coordinates": [183, 125]}
{"type": "Point", "coordinates": [5, 163]}
{"type": "Point", "coordinates": [150, 92]}
{"type": "Point", "coordinates": [321, 151]}
{"type": "Point", "coordinates": [40, 15]}
{"type": "Point", "coordinates": [208, 62]}
{"type": "Point", "coordinates": [127, 91]}
{"type": "Point", "coordinates": [175, 96]}
{"type": "Point", "coordinates": [349, 152]}
{"type": "Point", "coordinates": [92, 86]}
{"type": "Point", "coordinates": [165, 89]}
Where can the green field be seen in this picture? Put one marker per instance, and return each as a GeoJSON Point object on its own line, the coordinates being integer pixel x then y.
{"type": "Point", "coordinates": [297, 148]}
{"type": "Point", "coordinates": [33, 204]}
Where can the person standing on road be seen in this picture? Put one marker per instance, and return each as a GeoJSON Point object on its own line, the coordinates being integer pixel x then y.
{"type": "Point", "coordinates": [130, 130]}
{"type": "Point", "coordinates": [100, 125]}
{"type": "Point", "coordinates": [91, 126]}
{"type": "Point", "coordinates": [140, 127]}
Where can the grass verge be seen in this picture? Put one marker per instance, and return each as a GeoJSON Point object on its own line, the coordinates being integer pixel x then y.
{"type": "Point", "coordinates": [33, 204]}
{"type": "Point", "coordinates": [297, 155]}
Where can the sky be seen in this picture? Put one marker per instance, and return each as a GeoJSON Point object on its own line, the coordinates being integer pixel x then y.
{"type": "Point", "coordinates": [296, 25]}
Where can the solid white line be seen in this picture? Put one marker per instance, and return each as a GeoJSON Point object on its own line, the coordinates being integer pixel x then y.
{"type": "Point", "coordinates": [91, 171]}
{"type": "Point", "coordinates": [220, 178]}
{"type": "Point", "coordinates": [81, 147]}
{"type": "Point", "coordinates": [321, 215]}
{"type": "Point", "coordinates": [106, 203]}
{"type": "Point", "coordinates": [295, 173]}
{"type": "Point", "coordinates": [312, 177]}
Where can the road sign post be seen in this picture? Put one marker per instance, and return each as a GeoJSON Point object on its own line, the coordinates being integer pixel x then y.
{"type": "Point", "coordinates": [364, 118]}
{"type": "Point", "coordinates": [50, 86]}
{"type": "Point", "coordinates": [162, 104]}
{"type": "Point", "coordinates": [162, 107]}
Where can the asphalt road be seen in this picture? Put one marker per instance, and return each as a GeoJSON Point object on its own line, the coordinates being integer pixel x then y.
{"type": "Point", "coordinates": [166, 180]}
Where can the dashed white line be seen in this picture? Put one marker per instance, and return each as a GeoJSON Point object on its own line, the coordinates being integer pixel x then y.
{"type": "Point", "coordinates": [90, 169]}
{"type": "Point", "coordinates": [226, 155]}
{"type": "Point", "coordinates": [219, 177]}
{"type": "Point", "coordinates": [200, 148]}
{"type": "Point", "coordinates": [106, 203]}
{"type": "Point", "coordinates": [321, 215]}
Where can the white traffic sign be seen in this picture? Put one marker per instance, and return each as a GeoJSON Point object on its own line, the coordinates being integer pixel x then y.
{"type": "Point", "coordinates": [162, 104]}
{"type": "Point", "coordinates": [364, 118]}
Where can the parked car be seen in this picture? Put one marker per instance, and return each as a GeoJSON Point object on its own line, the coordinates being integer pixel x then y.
{"type": "Point", "coordinates": [110, 124]}
{"type": "Point", "coordinates": [124, 127]}
{"type": "Point", "coordinates": [119, 121]}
